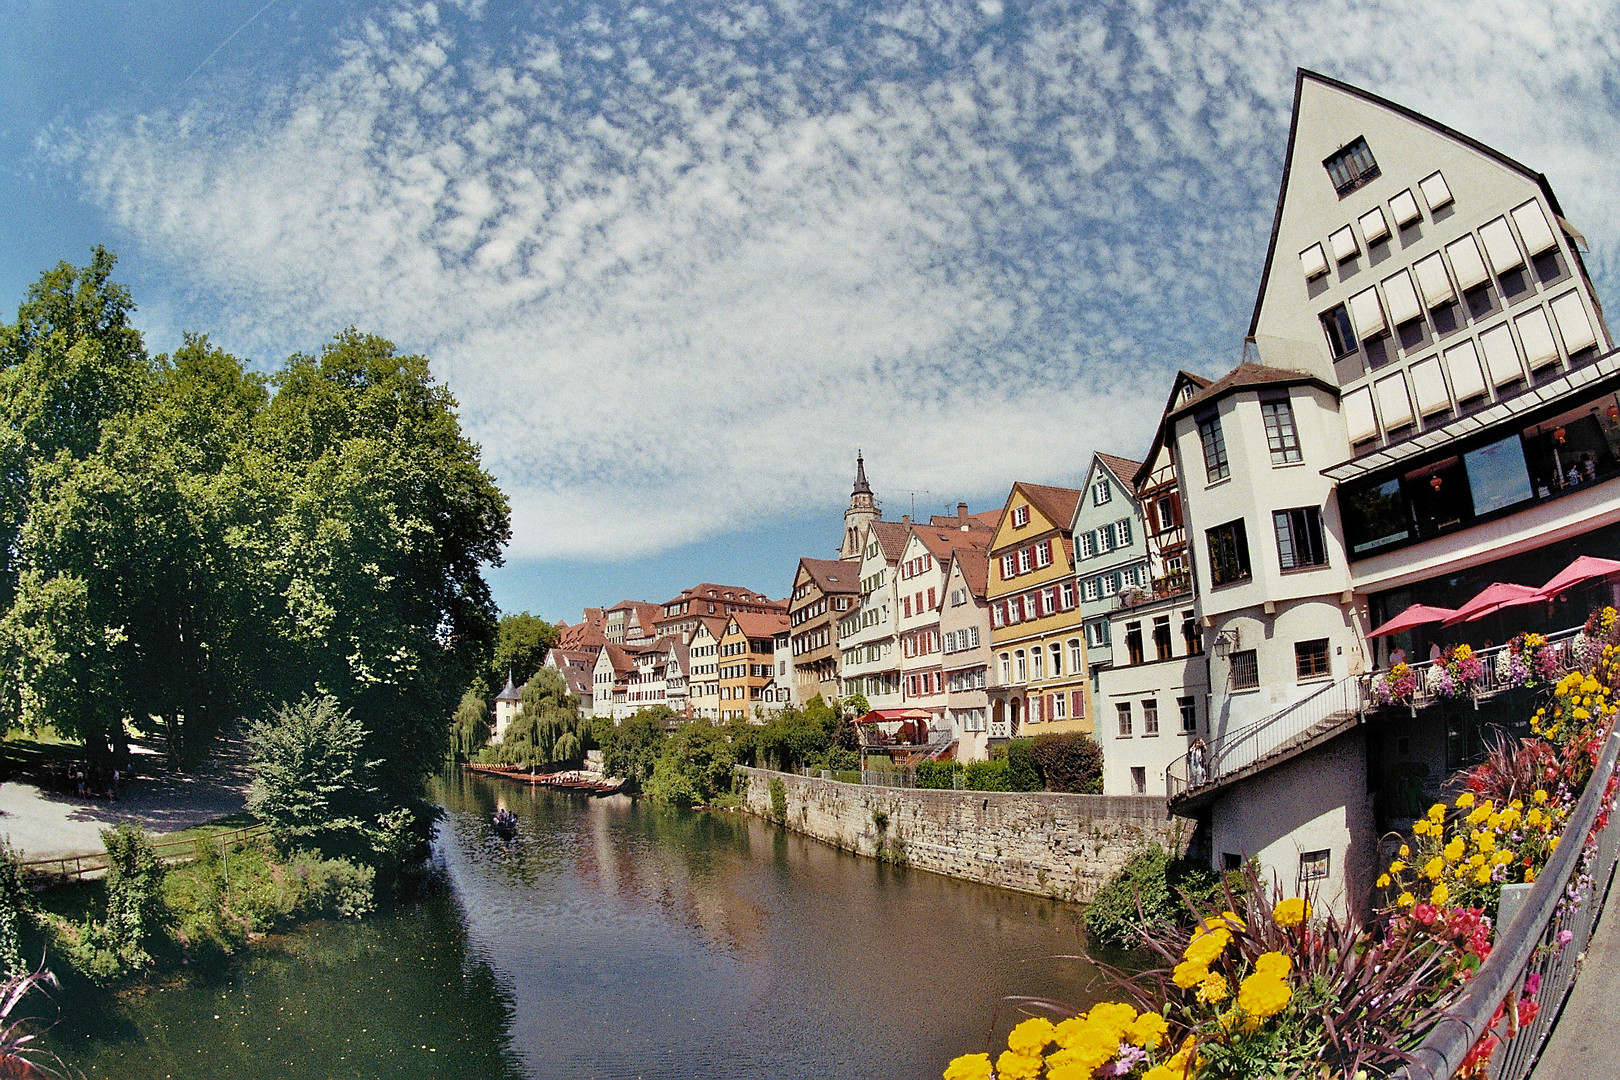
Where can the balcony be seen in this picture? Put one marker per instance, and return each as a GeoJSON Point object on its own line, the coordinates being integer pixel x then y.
{"type": "Point", "coordinates": [1165, 587]}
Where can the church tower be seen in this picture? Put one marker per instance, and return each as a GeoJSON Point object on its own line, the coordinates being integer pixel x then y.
{"type": "Point", "coordinates": [863, 510]}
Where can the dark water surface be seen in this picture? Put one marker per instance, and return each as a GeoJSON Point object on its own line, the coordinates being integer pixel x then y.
{"type": "Point", "coordinates": [612, 939]}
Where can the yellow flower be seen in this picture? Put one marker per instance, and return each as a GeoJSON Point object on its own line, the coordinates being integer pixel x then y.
{"type": "Point", "coordinates": [1502, 858]}
{"type": "Point", "coordinates": [1383, 881]}
{"type": "Point", "coordinates": [1274, 963]}
{"type": "Point", "coordinates": [969, 1067]}
{"type": "Point", "coordinates": [1440, 895]}
{"type": "Point", "coordinates": [1112, 1017]}
{"type": "Point", "coordinates": [1405, 852]}
{"type": "Point", "coordinates": [1477, 859]}
{"type": "Point", "coordinates": [1533, 818]}
{"type": "Point", "coordinates": [1213, 990]}
{"type": "Point", "coordinates": [1291, 912]}
{"type": "Point", "coordinates": [1012, 1066]}
{"type": "Point", "coordinates": [1541, 796]}
{"type": "Point", "coordinates": [1437, 813]}
{"type": "Point", "coordinates": [1406, 899]}
{"type": "Point", "coordinates": [1261, 995]}
{"type": "Point", "coordinates": [1420, 827]}
{"type": "Point", "coordinates": [1032, 1036]}
{"type": "Point", "coordinates": [1480, 813]}
{"type": "Point", "coordinates": [1397, 866]}
{"type": "Point", "coordinates": [1189, 974]}
{"type": "Point", "coordinates": [1434, 868]}
{"type": "Point", "coordinates": [1465, 800]}
{"type": "Point", "coordinates": [1454, 850]}
{"type": "Point", "coordinates": [1208, 945]}
{"type": "Point", "coordinates": [1482, 876]}
{"type": "Point", "coordinates": [1147, 1031]}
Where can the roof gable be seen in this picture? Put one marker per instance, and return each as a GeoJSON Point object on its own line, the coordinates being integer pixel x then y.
{"type": "Point", "coordinates": [1049, 508]}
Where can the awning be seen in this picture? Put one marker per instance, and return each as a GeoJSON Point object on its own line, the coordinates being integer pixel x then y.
{"type": "Point", "coordinates": [1416, 615]}
{"type": "Point", "coordinates": [894, 716]}
{"type": "Point", "coordinates": [1494, 598]}
{"type": "Point", "coordinates": [1585, 568]}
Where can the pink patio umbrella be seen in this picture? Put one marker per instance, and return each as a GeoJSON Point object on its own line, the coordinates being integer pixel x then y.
{"type": "Point", "coordinates": [1585, 568]}
{"type": "Point", "coordinates": [1494, 598]}
{"type": "Point", "coordinates": [1416, 615]}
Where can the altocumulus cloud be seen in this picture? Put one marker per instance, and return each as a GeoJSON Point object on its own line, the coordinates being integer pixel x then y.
{"type": "Point", "coordinates": [676, 259]}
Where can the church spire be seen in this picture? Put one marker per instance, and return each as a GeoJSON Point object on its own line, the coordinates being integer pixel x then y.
{"type": "Point", "coordinates": [861, 486]}
{"type": "Point", "coordinates": [863, 510]}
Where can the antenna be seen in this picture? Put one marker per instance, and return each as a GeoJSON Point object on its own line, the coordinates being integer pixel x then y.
{"type": "Point", "coordinates": [914, 494]}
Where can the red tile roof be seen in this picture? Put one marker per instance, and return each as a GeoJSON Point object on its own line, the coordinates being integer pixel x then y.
{"type": "Point", "coordinates": [833, 575]}
{"type": "Point", "coordinates": [892, 535]}
{"type": "Point", "coordinates": [1246, 375]}
{"type": "Point", "coordinates": [1124, 469]}
{"type": "Point", "coordinates": [757, 624]}
{"type": "Point", "coordinates": [975, 564]}
{"type": "Point", "coordinates": [1056, 504]}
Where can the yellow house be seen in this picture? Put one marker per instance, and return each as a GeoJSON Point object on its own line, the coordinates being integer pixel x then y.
{"type": "Point", "coordinates": [1038, 678]}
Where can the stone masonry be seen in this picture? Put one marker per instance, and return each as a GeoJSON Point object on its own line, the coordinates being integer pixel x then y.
{"type": "Point", "coordinates": [1061, 846]}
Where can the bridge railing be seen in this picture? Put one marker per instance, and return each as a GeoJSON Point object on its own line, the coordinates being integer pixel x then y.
{"type": "Point", "coordinates": [1544, 942]}
{"type": "Point", "coordinates": [1246, 745]}
{"type": "Point", "coordinates": [1494, 675]}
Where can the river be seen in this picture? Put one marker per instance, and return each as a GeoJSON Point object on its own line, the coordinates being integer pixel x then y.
{"type": "Point", "coordinates": [612, 939]}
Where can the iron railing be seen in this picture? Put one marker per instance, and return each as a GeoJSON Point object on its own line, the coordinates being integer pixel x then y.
{"type": "Point", "coordinates": [1545, 939]}
{"type": "Point", "coordinates": [1494, 677]}
{"type": "Point", "coordinates": [1247, 745]}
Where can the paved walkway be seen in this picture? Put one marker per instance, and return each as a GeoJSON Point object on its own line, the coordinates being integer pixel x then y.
{"type": "Point", "coordinates": [46, 824]}
{"type": "Point", "coordinates": [1583, 1042]}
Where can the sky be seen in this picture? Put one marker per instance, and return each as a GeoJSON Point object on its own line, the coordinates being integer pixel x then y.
{"type": "Point", "coordinates": [679, 261]}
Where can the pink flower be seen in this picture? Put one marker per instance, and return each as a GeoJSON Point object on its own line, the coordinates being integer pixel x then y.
{"type": "Point", "coordinates": [1532, 984]}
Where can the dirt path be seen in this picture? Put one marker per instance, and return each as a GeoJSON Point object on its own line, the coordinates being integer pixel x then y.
{"type": "Point", "coordinates": [46, 824]}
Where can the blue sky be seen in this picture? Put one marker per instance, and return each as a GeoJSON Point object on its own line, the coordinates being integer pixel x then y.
{"type": "Point", "coordinates": [678, 260]}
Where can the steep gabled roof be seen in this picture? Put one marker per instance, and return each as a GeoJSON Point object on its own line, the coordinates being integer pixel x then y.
{"type": "Point", "coordinates": [1248, 376]}
{"type": "Point", "coordinates": [975, 564]}
{"type": "Point", "coordinates": [892, 535]}
{"type": "Point", "coordinates": [1301, 75]}
{"type": "Point", "coordinates": [757, 624]}
{"type": "Point", "coordinates": [1184, 385]}
{"type": "Point", "coordinates": [1056, 504]}
{"type": "Point", "coordinates": [1124, 469]}
{"type": "Point", "coordinates": [941, 542]}
{"type": "Point", "coordinates": [833, 575]}
{"type": "Point", "coordinates": [618, 658]}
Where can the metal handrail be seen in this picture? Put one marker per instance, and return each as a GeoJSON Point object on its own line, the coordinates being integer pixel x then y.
{"type": "Point", "coordinates": [1243, 747]}
{"type": "Point", "coordinates": [1492, 681]}
{"type": "Point", "coordinates": [1557, 902]}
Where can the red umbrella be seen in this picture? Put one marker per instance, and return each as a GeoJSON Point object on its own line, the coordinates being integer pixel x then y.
{"type": "Point", "coordinates": [1582, 569]}
{"type": "Point", "coordinates": [1416, 615]}
{"type": "Point", "coordinates": [1497, 595]}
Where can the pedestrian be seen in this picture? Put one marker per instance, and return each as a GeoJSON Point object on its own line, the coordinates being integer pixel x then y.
{"type": "Point", "coordinates": [1198, 762]}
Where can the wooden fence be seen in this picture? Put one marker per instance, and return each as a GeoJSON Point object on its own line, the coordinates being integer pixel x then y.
{"type": "Point", "coordinates": [77, 866]}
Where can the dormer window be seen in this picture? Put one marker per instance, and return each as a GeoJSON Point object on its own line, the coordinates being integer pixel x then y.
{"type": "Point", "coordinates": [1351, 167]}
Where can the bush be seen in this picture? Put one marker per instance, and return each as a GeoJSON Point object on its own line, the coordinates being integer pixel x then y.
{"type": "Point", "coordinates": [631, 749]}
{"type": "Point", "coordinates": [311, 781]}
{"type": "Point", "coordinates": [778, 800]}
{"type": "Point", "coordinates": [694, 767]}
{"type": "Point", "coordinates": [1069, 762]}
{"type": "Point", "coordinates": [134, 885]}
{"type": "Point", "coordinates": [935, 774]}
{"type": "Point", "coordinates": [1154, 879]}
{"type": "Point", "coordinates": [1022, 774]}
{"type": "Point", "coordinates": [13, 904]}
{"type": "Point", "coordinates": [988, 775]}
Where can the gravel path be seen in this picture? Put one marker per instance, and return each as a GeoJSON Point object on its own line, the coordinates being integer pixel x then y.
{"type": "Point", "coordinates": [46, 824]}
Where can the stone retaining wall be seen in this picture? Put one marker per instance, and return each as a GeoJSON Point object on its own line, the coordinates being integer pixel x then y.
{"type": "Point", "coordinates": [1061, 846]}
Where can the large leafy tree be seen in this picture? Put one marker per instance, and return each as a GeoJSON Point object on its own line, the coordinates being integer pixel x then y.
{"type": "Point", "coordinates": [522, 642]}
{"type": "Point", "coordinates": [548, 728]}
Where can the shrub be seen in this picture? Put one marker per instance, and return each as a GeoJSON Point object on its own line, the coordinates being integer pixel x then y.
{"type": "Point", "coordinates": [695, 766]}
{"type": "Point", "coordinates": [311, 781]}
{"type": "Point", "coordinates": [936, 774]}
{"type": "Point", "coordinates": [631, 749]}
{"type": "Point", "coordinates": [134, 885]}
{"type": "Point", "coordinates": [13, 904]}
{"type": "Point", "coordinates": [1068, 762]}
{"type": "Point", "coordinates": [988, 775]}
{"type": "Point", "coordinates": [1153, 880]}
{"type": "Point", "coordinates": [1022, 774]}
{"type": "Point", "coordinates": [778, 800]}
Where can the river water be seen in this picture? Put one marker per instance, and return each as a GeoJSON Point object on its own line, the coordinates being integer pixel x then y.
{"type": "Point", "coordinates": [612, 939]}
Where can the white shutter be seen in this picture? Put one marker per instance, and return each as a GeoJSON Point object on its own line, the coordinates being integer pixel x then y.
{"type": "Point", "coordinates": [1405, 208]}
{"type": "Point", "coordinates": [1343, 243]}
{"type": "Point", "coordinates": [1466, 263]}
{"type": "Point", "coordinates": [1463, 363]}
{"type": "Point", "coordinates": [1402, 298]}
{"type": "Point", "coordinates": [1500, 246]}
{"type": "Point", "coordinates": [1432, 279]}
{"type": "Point", "coordinates": [1573, 325]}
{"type": "Point", "coordinates": [1501, 357]}
{"type": "Point", "coordinates": [1373, 226]}
{"type": "Point", "coordinates": [1313, 260]}
{"type": "Point", "coordinates": [1358, 415]}
{"type": "Point", "coordinates": [1429, 386]}
{"type": "Point", "coordinates": [1367, 314]}
{"type": "Point", "coordinates": [1394, 403]}
{"type": "Point", "coordinates": [1536, 336]}
{"type": "Point", "coordinates": [1435, 191]}
{"type": "Point", "coordinates": [1533, 228]}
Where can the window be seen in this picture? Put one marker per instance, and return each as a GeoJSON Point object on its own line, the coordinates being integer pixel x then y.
{"type": "Point", "coordinates": [1008, 568]}
{"type": "Point", "coordinates": [1161, 637]}
{"type": "Point", "coordinates": [1245, 670]}
{"type": "Point", "coordinates": [1057, 659]}
{"type": "Point", "coordinates": [1190, 634]}
{"type": "Point", "coordinates": [1092, 588]}
{"type": "Point", "coordinates": [1068, 595]}
{"type": "Point", "coordinates": [1023, 560]}
{"type": "Point", "coordinates": [1314, 865]}
{"type": "Point", "coordinates": [1006, 669]}
{"type": "Point", "coordinates": [1101, 492]}
{"type": "Point", "coordinates": [1351, 167]}
{"type": "Point", "coordinates": [1299, 538]}
{"type": "Point", "coordinates": [1228, 553]}
{"type": "Point", "coordinates": [1169, 509]}
{"type": "Point", "coordinates": [1138, 780]}
{"type": "Point", "coordinates": [1020, 516]}
{"type": "Point", "coordinates": [1088, 545]}
{"type": "Point", "coordinates": [1281, 438]}
{"type": "Point", "coordinates": [1096, 635]}
{"type": "Point", "coordinates": [1150, 717]}
{"type": "Point", "coordinates": [1209, 433]}
{"type": "Point", "coordinates": [1037, 663]}
{"type": "Point", "coordinates": [1133, 642]}
{"type": "Point", "coordinates": [1022, 666]}
{"type": "Point", "coordinates": [1123, 709]}
{"type": "Point", "coordinates": [1043, 553]}
{"type": "Point", "coordinates": [1110, 584]}
{"type": "Point", "coordinates": [1341, 336]}
{"type": "Point", "coordinates": [1105, 538]}
{"type": "Point", "coordinates": [1311, 658]}
{"type": "Point", "coordinates": [1122, 532]}
{"type": "Point", "coordinates": [1060, 703]}
{"type": "Point", "coordinates": [1189, 715]}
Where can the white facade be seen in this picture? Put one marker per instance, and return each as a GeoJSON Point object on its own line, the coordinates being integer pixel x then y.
{"type": "Point", "coordinates": [868, 636]}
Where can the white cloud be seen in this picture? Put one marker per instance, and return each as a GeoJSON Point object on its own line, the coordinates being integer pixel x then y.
{"type": "Point", "coordinates": [677, 263]}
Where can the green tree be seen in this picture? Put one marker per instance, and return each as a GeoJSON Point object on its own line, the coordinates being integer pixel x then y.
{"type": "Point", "coordinates": [548, 728]}
{"type": "Point", "coordinates": [312, 781]}
{"type": "Point", "coordinates": [522, 642]}
{"type": "Point", "coordinates": [470, 727]}
{"type": "Point", "coordinates": [693, 767]}
{"type": "Point", "coordinates": [631, 749]}
{"type": "Point", "coordinates": [13, 906]}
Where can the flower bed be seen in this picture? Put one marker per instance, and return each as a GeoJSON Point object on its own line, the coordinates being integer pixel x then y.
{"type": "Point", "coordinates": [1266, 989]}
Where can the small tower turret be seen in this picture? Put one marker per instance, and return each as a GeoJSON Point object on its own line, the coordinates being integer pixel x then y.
{"type": "Point", "coordinates": [863, 510]}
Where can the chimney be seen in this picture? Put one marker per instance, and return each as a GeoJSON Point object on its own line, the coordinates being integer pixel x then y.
{"type": "Point", "coordinates": [961, 510]}
{"type": "Point", "coordinates": [905, 519]}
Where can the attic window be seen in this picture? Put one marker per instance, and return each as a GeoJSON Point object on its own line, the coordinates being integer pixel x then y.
{"type": "Point", "coordinates": [1020, 516]}
{"type": "Point", "coordinates": [1351, 167]}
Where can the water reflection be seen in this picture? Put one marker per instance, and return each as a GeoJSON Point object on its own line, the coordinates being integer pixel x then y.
{"type": "Point", "coordinates": [614, 939]}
